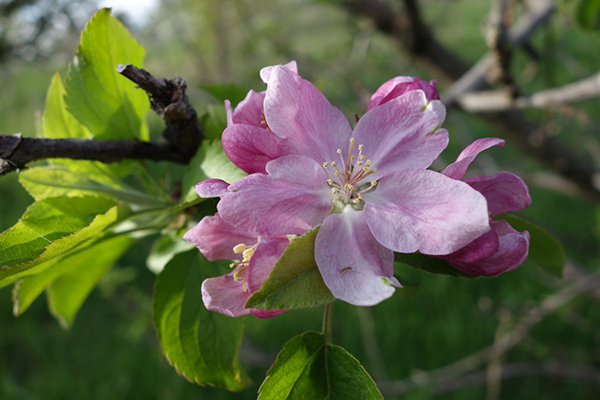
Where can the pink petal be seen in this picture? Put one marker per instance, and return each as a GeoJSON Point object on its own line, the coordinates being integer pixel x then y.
{"type": "Point", "coordinates": [398, 135]}
{"type": "Point", "coordinates": [457, 169]}
{"type": "Point", "coordinates": [399, 85]}
{"type": "Point", "coordinates": [483, 247]}
{"type": "Point", "coordinates": [293, 198]}
{"type": "Point", "coordinates": [215, 238]}
{"type": "Point", "coordinates": [268, 252]}
{"type": "Point", "coordinates": [296, 110]}
{"type": "Point", "coordinates": [250, 110]}
{"type": "Point", "coordinates": [512, 252]}
{"type": "Point", "coordinates": [424, 210]}
{"type": "Point", "coordinates": [265, 73]}
{"type": "Point", "coordinates": [229, 113]}
{"type": "Point", "coordinates": [250, 147]}
{"type": "Point", "coordinates": [225, 295]}
{"type": "Point", "coordinates": [352, 262]}
{"type": "Point", "coordinates": [266, 313]}
{"type": "Point", "coordinates": [211, 188]}
{"type": "Point", "coordinates": [504, 192]}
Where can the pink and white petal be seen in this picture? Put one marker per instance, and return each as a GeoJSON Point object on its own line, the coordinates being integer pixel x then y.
{"type": "Point", "coordinates": [424, 210]}
{"type": "Point", "coordinates": [225, 295]}
{"type": "Point", "coordinates": [504, 192]}
{"type": "Point", "coordinates": [296, 110]}
{"type": "Point", "coordinates": [457, 169]}
{"type": "Point", "coordinates": [402, 133]}
{"type": "Point", "coordinates": [211, 188]}
{"type": "Point", "coordinates": [216, 239]}
{"type": "Point", "coordinates": [251, 147]}
{"type": "Point", "coordinates": [355, 267]}
{"type": "Point", "coordinates": [250, 110]}
{"type": "Point", "coordinates": [399, 85]}
{"type": "Point", "coordinates": [292, 199]}
{"type": "Point", "coordinates": [483, 247]}
{"type": "Point", "coordinates": [228, 113]}
{"type": "Point", "coordinates": [512, 252]}
{"type": "Point", "coordinates": [268, 252]}
{"type": "Point", "coordinates": [265, 73]}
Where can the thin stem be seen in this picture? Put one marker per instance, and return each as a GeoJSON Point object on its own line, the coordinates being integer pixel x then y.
{"type": "Point", "coordinates": [327, 322]}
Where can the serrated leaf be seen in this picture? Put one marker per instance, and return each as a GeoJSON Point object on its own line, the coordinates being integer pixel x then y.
{"type": "Point", "coordinates": [57, 122]}
{"type": "Point", "coordinates": [226, 91]}
{"type": "Point", "coordinates": [25, 251]}
{"type": "Point", "coordinates": [92, 180]}
{"type": "Point", "coordinates": [67, 293]}
{"type": "Point", "coordinates": [309, 368]}
{"type": "Point", "coordinates": [69, 279]}
{"type": "Point", "coordinates": [101, 99]}
{"type": "Point", "coordinates": [295, 281]}
{"type": "Point", "coordinates": [202, 345]}
{"type": "Point", "coordinates": [209, 162]}
{"type": "Point", "coordinates": [429, 264]}
{"type": "Point", "coordinates": [587, 14]}
{"type": "Point", "coordinates": [544, 249]}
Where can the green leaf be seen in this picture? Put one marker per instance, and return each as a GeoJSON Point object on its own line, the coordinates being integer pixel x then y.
{"type": "Point", "coordinates": [214, 121]}
{"type": "Point", "coordinates": [429, 264]}
{"type": "Point", "coordinates": [57, 122]}
{"type": "Point", "coordinates": [209, 162]}
{"type": "Point", "coordinates": [164, 249]}
{"type": "Point", "coordinates": [226, 91]}
{"type": "Point", "coordinates": [70, 279]}
{"type": "Point", "coordinates": [587, 14]}
{"type": "Point", "coordinates": [67, 294]}
{"type": "Point", "coordinates": [309, 368]}
{"type": "Point", "coordinates": [50, 229]}
{"type": "Point", "coordinates": [295, 281]}
{"type": "Point", "coordinates": [90, 179]}
{"type": "Point", "coordinates": [202, 345]}
{"type": "Point", "coordinates": [100, 98]}
{"type": "Point", "coordinates": [544, 249]}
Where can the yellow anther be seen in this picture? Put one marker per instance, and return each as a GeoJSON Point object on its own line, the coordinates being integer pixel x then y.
{"type": "Point", "coordinates": [351, 158]}
{"type": "Point", "coordinates": [359, 195]}
{"type": "Point", "coordinates": [366, 169]}
{"type": "Point", "coordinates": [358, 164]}
{"type": "Point", "coordinates": [325, 164]}
{"type": "Point", "coordinates": [333, 164]}
{"type": "Point", "coordinates": [362, 157]}
{"type": "Point", "coordinates": [248, 253]}
{"type": "Point", "coordinates": [232, 265]}
{"type": "Point", "coordinates": [352, 141]}
{"type": "Point", "coordinates": [333, 190]}
{"type": "Point", "coordinates": [373, 183]}
{"type": "Point", "coordinates": [356, 201]}
{"type": "Point", "coordinates": [361, 147]}
{"type": "Point", "coordinates": [339, 151]}
{"type": "Point", "coordinates": [368, 162]}
{"type": "Point", "coordinates": [374, 170]}
{"type": "Point", "coordinates": [245, 286]}
{"type": "Point", "coordinates": [239, 248]}
{"type": "Point", "coordinates": [338, 173]}
{"type": "Point", "coordinates": [330, 182]}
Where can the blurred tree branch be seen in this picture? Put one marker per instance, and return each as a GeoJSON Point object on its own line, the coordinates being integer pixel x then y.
{"type": "Point", "coordinates": [411, 32]}
{"type": "Point", "coordinates": [167, 98]}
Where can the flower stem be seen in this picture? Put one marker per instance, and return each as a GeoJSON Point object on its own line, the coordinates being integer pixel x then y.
{"type": "Point", "coordinates": [327, 322]}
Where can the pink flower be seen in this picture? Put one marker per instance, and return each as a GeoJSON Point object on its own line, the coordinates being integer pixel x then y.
{"type": "Point", "coordinates": [369, 189]}
{"type": "Point", "coordinates": [217, 240]}
{"type": "Point", "coordinates": [399, 85]}
{"type": "Point", "coordinates": [502, 249]}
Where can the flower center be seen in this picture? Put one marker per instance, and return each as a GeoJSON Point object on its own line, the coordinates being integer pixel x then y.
{"type": "Point", "coordinates": [349, 175]}
{"type": "Point", "coordinates": [241, 267]}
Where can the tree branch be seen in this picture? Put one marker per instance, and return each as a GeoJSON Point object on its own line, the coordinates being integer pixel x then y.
{"type": "Point", "coordinates": [410, 31]}
{"type": "Point", "coordinates": [167, 98]}
{"type": "Point", "coordinates": [490, 101]}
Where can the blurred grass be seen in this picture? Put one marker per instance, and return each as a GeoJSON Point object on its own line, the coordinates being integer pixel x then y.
{"type": "Point", "coordinates": [112, 351]}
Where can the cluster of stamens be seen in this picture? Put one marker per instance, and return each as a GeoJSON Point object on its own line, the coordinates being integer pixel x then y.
{"type": "Point", "coordinates": [349, 172]}
{"type": "Point", "coordinates": [241, 267]}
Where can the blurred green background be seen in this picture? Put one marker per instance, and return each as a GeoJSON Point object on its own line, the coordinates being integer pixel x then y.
{"type": "Point", "coordinates": [112, 352]}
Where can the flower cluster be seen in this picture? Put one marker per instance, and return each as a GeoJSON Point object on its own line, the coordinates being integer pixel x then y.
{"type": "Point", "coordinates": [368, 188]}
